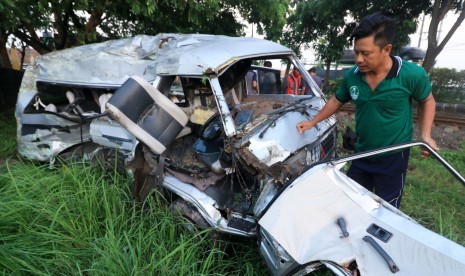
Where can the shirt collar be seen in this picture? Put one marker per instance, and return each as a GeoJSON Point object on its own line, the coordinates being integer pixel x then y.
{"type": "Point", "coordinates": [395, 69]}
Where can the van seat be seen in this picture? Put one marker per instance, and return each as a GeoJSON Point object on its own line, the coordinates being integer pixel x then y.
{"type": "Point", "coordinates": [147, 114]}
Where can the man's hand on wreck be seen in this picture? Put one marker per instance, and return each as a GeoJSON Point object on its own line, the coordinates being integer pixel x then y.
{"type": "Point", "coordinates": [304, 125]}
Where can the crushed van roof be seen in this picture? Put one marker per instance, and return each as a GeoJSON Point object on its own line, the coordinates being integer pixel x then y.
{"type": "Point", "coordinates": [110, 63]}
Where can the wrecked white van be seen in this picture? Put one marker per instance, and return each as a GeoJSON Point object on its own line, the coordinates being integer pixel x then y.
{"type": "Point", "coordinates": [177, 112]}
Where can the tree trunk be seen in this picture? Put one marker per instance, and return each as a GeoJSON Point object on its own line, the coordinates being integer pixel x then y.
{"type": "Point", "coordinates": [36, 44]}
{"type": "Point", "coordinates": [95, 19]}
{"type": "Point", "coordinates": [4, 58]}
{"type": "Point", "coordinates": [434, 47]}
{"type": "Point", "coordinates": [23, 55]}
{"type": "Point", "coordinates": [430, 58]}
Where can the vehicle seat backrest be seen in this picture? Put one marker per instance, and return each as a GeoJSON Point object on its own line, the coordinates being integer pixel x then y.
{"type": "Point", "coordinates": [146, 113]}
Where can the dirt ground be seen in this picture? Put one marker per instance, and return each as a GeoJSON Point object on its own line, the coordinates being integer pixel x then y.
{"type": "Point", "coordinates": [447, 137]}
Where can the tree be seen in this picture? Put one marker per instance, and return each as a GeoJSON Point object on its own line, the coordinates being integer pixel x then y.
{"type": "Point", "coordinates": [80, 22]}
{"type": "Point", "coordinates": [327, 24]}
{"type": "Point", "coordinates": [438, 11]}
{"type": "Point", "coordinates": [10, 13]}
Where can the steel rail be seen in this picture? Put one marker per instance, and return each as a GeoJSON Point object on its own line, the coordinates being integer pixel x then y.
{"type": "Point", "coordinates": [439, 119]}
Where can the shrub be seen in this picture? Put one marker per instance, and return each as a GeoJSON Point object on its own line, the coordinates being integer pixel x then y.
{"type": "Point", "coordinates": [448, 85]}
{"type": "Point", "coordinates": [331, 87]}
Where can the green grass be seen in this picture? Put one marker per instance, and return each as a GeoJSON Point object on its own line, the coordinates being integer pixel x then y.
{"type": "Point", "coordinates": [78, 220]}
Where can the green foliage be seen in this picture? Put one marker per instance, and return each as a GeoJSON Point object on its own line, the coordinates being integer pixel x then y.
{"type": "Point", "coordinates": [448, 85]}
{"type": "Point", "coordinates": [78, 219]}
{"type": "Point", "coordinates": [327, 24]}
{"type": "Point", "coordinates": [76, 22]}
{"type": "Point", "coordinates": [269, 15]}
{"type": "Point", "coordinates": [332, 87]}
{"type": "Point", "coordinates": [211, 17]}
{"type": "Point", "coordinates": [320, 22]}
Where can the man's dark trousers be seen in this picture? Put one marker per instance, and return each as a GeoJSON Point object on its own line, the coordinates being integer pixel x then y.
{"type": "Point", "coordinates": [385, 176]}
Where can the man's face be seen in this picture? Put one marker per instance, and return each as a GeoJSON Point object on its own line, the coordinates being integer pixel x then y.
{"type": "Point", "coordinates": [369, 56]}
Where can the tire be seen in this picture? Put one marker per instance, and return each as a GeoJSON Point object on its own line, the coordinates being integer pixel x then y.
{"type": "Point", "coordinates": [195, 222]}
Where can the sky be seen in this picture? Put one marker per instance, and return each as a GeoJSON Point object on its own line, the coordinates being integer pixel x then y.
{"type": "Point", "coordinates": [452, 56]}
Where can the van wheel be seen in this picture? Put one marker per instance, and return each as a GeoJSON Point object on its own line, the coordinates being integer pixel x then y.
{"type": "Point", "coordinates": [194, 222]}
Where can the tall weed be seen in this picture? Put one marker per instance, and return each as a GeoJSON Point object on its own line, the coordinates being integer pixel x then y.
{"type": "Point", "coordinates": [78, 219]}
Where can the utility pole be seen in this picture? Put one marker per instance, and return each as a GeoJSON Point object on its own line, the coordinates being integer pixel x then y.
{"type": "Point", "coordinates": [421, 30]}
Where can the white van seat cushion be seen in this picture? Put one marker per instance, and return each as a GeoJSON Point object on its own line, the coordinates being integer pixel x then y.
{"type": "Point", "coordinates": [147, 113]}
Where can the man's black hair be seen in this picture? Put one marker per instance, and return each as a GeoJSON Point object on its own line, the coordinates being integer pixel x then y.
{"type": "Point", "coordinates": [381, 24]}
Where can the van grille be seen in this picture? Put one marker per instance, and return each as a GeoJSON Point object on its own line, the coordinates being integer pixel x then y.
{"type": "Point", "coordinates": [329, 143]}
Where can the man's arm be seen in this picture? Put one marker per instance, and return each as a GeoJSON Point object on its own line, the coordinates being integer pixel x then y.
{"type": "Point", "coordinates": [426, 112]}
{"type": "Point", "coordinates": [329, 109]}
{"type": "Point", "coordinates": [303, 89]}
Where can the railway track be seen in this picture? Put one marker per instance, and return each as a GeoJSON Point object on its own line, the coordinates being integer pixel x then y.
{"type": "Point", "coordinates": [439, 120]}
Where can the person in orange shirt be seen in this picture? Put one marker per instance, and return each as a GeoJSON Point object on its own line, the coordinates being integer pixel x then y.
{"type": "Point", "coordinates": [294, 83]}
